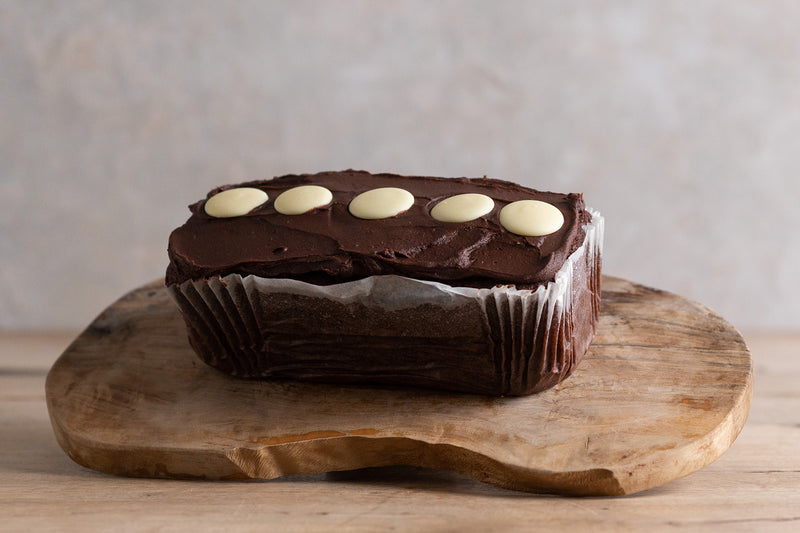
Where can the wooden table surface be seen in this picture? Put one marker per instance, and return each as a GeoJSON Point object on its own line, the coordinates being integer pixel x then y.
{"type": "Point", "coordinates": [754, 486]}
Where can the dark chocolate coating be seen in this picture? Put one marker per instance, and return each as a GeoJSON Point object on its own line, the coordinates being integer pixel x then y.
{"type": "Point", "coordinates": [329, 245]}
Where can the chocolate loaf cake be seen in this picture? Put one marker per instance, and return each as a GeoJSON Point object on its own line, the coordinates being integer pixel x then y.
{"type": "Point", "coordinates": [471, 285]}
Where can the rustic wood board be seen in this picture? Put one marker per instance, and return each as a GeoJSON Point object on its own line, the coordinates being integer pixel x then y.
{"type": "Point", "coordinates": [664, 391]}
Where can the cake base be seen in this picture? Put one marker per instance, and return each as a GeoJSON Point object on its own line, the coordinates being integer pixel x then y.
{"type": "Point", "coordinates": [663, 391]}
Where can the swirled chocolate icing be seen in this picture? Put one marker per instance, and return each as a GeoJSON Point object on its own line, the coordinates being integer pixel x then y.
{"type": "Point", "coordinates": [329, 245]}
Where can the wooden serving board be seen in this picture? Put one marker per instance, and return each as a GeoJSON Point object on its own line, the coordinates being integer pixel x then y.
{"type": "Point", "coordinates": [663, 391]}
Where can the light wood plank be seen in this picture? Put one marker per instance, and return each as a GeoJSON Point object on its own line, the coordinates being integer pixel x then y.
{"type": "Point", "coordinates": [33, 350]}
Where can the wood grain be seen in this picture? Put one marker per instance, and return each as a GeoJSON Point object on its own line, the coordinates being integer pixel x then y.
{"type": "Point", "coordinates": [663, 391]}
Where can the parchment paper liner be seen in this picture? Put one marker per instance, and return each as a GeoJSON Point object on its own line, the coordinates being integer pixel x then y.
{"type": "Point", "coordinates": [400, 331]}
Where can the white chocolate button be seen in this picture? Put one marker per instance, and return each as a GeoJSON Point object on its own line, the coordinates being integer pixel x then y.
{"type": "Point", "coordinates": [462, 207]}
{"type": "Point", "coordinates": [381, 203]}
{"type": "Point", "coordinates": [235, 202]}
{"type": "Point", "coordinates": [531, 218]}
{"type": "Point", "coordinates": [302, 199]}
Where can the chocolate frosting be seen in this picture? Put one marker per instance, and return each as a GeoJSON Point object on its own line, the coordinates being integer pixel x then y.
{"type": "Point", "coordinates": [329, 245]}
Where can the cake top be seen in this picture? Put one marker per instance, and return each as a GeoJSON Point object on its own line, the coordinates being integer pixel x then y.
{"type": "Point", "coordinates": [334, 227]}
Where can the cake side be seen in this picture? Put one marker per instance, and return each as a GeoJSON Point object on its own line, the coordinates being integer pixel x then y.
{"type": "Point", "coordinates": [400, 331]}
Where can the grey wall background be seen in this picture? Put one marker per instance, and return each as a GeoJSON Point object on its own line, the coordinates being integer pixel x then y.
{"type": "Point", "coordinates": [678, 120]}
